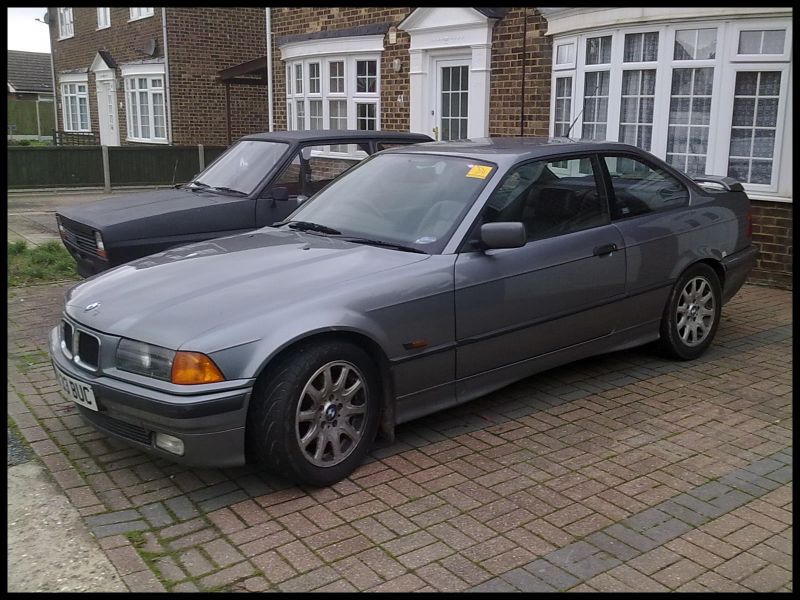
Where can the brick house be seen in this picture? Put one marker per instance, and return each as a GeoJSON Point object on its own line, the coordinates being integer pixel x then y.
{"type": "Point", "coordinates": [149, 75]}
{"type": "Point", "coordinates": [707, 89]}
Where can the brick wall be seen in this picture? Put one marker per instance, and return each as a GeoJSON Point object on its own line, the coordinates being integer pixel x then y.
{"type": "Point", "coordinates": [772, 233]}
{"type": "Point", "coordinates": [202, 42]}
{"type": "Point", "coordinates": [121, 40]}
{"type": "Point", "coordinates": [295, 20]}
{"type": "Point", "coordinates": [505, 96]}
{"type": "Point", "coordinates": [506, 75]}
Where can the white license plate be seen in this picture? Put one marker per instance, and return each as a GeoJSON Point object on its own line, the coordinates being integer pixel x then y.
{"type": "Point", "coordinates": [76, 390]}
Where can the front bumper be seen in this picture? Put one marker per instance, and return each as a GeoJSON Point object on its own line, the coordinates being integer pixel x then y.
{"type": "Point", "coordinates": [211, 425]}
{"type": "Point", "coordinates": [86, 264]}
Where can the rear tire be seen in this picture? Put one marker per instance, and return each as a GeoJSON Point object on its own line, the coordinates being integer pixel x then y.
{"type": "Point", "coordinates": [692, 314]}
{"type": "Point", "coordinates": [314, 413]}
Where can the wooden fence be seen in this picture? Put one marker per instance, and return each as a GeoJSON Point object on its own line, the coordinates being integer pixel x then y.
{"type": "Point", "coordinates": [105, 166]}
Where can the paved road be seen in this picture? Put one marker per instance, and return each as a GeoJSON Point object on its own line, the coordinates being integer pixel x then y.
{"type": "Point", "coordinates": [624, 472]}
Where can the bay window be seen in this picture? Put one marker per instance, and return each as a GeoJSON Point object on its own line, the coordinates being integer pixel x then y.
{"type": "Point", "coordinates": [145, 104]}
{"type": "Point", "coordinates": [333, 92]}
{"type": "Point", "coordinates": [705, 96]}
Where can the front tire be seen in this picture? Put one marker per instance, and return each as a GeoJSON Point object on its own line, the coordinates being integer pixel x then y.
{"type": "Point", "coordinates": [692, 314]}
{"type": "Point", "coordinates": [314, 413]}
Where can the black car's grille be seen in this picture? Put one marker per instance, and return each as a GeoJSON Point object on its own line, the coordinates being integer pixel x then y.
{"type": "Point", "coordinates": [82, 240]}
{"type": "Point", "coordinates": [88, 349]}
{"type": "Point", "coordinates": [120, 428]}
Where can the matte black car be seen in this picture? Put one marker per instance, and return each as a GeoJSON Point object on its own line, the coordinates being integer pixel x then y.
{"type": "Point", "coordinates": [259, 180]}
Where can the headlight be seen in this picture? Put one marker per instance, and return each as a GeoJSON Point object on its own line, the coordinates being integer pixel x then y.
{"type": "Point", "coordinates": [186, 368]}
{"type": "Point", "coordinates": [144, 359]}
{"type": "Point", "coordinates": [98, 240]}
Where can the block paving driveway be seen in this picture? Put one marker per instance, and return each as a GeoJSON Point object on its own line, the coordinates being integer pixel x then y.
{"type": "Point", "coordinates": [625, 472]}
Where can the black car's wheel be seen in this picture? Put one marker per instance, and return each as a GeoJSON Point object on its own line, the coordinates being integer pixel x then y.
{"type": "Point", "coordinates": [314, 414]}
{"type": "Point", "coordinates": [692, 314]}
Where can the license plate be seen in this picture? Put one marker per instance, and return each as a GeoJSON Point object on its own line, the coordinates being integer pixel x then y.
{"type": "Point", "coordinates": [77, 391]}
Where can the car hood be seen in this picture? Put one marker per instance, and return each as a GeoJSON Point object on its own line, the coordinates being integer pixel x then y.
{"type": "Point", "coordinates": [131, 213]}
{"type": "Point", "coordinates": [171, 297]}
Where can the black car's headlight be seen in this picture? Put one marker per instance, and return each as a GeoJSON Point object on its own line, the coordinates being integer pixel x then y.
{"type": "Point", "coordinates": [186, 368]}
{"type": "Point", "coordinates": [145, 359]}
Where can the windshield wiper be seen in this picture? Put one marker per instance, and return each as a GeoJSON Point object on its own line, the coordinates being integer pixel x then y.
{"type": "Point", "coordinates": [381, 243]}
{"type": "Point", "coordinates": [193, 185]}
{"type": "Point", "coordinates": [228, 190]}
{"type": "Point", "coordinates": [308, 226]}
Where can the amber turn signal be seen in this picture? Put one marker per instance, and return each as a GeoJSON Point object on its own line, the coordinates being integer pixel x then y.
{"type": "Point", "coordinates": [193, 367]}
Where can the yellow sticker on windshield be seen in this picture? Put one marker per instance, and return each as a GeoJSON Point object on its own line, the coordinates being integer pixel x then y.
{"type": "Point", "coordinates": [479, 171]}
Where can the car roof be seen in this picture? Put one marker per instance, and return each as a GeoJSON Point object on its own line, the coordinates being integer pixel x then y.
{"type": "Point", "coordinates": [323, 135]}
{"type": "Point", "coordinates": [514, 147]}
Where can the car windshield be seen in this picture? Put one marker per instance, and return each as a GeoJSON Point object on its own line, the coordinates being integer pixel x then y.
{"type": "Point", "coordinates": [415, 200]}
{"type": "Point", "coordinates": [242, 167]}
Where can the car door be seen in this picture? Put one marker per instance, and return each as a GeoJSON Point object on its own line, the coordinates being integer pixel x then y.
{"type": "Point", "coordinates": [556, 291]}
{"type": "Point", "coordinates": [650, 208]}
{"type": "Point", "coordinates": [310, 169]}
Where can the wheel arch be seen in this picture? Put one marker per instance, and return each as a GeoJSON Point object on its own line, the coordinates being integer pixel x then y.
{"type": "Point", "coordinates": [373, 350]}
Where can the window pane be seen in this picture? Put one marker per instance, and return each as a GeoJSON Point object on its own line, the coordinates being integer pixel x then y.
{"type": "Point", "coordinates": [365, 116]}
{"type": "Point", "coordinates": [773, 42]}
{"type": "Point", "coordinates": [565, 54]}
{"type": "Point", "coordinates": [750, 42]}
{"type": "Point", "coordinates": [336, 71]}
{"type": "Point", "coordinates": [298, 78]}
{"type": "Point", "coordinates": [550, 198]}
{"type": "Point", "coordinates": [313, 78]}
{"type": "Point", "coordinates": [690, 103]}
{"type": "Point", "coordinates": [595, 104]}
{"type": "Point", "coordinates": [144, 113]}
{"type": "Point", "coordinates": [315, 114]}
{"type": "Point", "coordinates": [563, 115]}
{"type": "Point", "coordinates": [695, 44]}
{"type": "Point", "coordinates": [366, 76]}
{"type": "Point", "coordinates": [753, 126]}
{"type": "Point", "coordinates": [300, 109]}
{"type": "Point", "coordinates": [598, 50]}
{"type": "Point", "coordinates": [159, 121]}
{"type": "Point", "coordinates": [640, 188]}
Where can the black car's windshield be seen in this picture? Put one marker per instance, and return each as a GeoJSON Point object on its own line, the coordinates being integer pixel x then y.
{"type": "Point", "coordinates": [414, 200]}
{"type": "Point", "coordinates": [242, 167]}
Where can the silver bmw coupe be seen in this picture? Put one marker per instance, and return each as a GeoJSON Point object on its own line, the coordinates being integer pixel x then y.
{"type": "Point", "coordinates": [422, 278]}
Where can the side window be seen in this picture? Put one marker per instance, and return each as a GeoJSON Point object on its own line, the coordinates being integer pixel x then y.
{"type": "Point", "coordinates": [550, 197]}
{"type": "Point", "coordinates": [640, 188]}
{"type": "Point", "coordinates": [387, 145]}
{"type": "Point", "coordinates": [312, 168]}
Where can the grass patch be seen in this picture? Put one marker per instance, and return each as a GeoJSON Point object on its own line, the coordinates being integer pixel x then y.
{"type": "Point", "coordinates": [41, 264]}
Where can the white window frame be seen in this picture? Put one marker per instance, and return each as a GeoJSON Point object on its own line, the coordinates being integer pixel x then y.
{"type": "Point", "coordinates": [103, 18]}
{"type": "Point", "coordinates": [64, 82]}
{"type": "Point", "coordinates": [149, 72]}
{"type": "Point", "coordinates": [66, 24]}
{"type": "Point", "coordinates": [141, 13]}
{"type": "Point", "coordinates": [565, 42]}
{"type": "Point", "coordinates": [324, 56]}
{"type": "Point", "coordinates": [726, 64]}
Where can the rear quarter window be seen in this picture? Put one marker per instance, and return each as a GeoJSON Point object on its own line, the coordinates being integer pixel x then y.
{"type": "Point", "coordinates": [639, 188]}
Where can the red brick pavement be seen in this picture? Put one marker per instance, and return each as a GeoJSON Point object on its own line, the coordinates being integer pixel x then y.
{"type": "Point", "coordinates": [625, 472]}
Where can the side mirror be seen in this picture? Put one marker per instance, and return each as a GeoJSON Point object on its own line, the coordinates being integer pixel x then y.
{"type": "Point", "coordinates": [306, 153]}
{"type": "Point", "coordinates": [280, 193]}
{"type": "Point", "coordinates": [301, 198]}
{"type": "Point", "coordinates": [503, 235]}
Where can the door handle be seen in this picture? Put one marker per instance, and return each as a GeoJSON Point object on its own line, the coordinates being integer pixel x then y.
{"type": "Point", "coordinates": [606, 249]}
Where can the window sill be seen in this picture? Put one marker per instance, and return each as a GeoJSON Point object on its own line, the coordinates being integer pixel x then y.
{"type": "Point", "coordinates": [101, 28]}
{"type": "Point", "coordinates": [68, 37]}
{"type": "Point", "coordinates": [140, 18]}
{"type": "Point", "coordinates": [78, 131]}
{"type": "Point", "coordinates": [146, 141]}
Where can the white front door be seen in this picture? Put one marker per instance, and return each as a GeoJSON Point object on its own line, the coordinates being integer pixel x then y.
{"type": "Point", "coordinates": [107, 112]}
{"type": "Point", "coordinates": [450, 108]}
